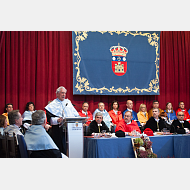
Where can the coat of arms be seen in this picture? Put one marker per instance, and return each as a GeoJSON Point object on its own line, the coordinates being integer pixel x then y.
{"type": "Point", "coordinates": [119, 61]}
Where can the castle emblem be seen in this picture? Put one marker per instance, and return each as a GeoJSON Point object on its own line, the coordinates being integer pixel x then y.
{"type": "Point", "coordinates": [119, 63]}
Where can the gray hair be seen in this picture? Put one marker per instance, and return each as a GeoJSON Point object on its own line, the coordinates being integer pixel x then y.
{"type": "Point", "coordinates": [156, 109]}
{"type": "Point", "coordinates": [101, 103]}
{"type": "Point", "coordinates": [38, 117]}
{"type": "Point", "coordinates": [99, 114]}
{"type": "Point", "coordinates": [13, 115]}
{"type": "Point", "coordinates": [61, 87]}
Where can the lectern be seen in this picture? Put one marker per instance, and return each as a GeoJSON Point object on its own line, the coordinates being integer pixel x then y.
{"type": "Point", "coordinates": [74, 136]}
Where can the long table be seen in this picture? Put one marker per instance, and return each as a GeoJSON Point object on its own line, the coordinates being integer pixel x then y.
{"type": "Point", "coordinates": [165, 146]}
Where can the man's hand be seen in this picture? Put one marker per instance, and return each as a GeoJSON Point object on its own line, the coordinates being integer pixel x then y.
{"type": "Point", "coordinates": [46, 127]}
{"type": "Point", "coordinates": [59, 120]}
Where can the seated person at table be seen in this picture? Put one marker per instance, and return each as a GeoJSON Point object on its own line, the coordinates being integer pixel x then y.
{"type": "Point", "coordinates": [155, 104]}
{"type": "Point", "coordinates": [182, 108]}
{"type": "Point", "coordinates": [126, 126]}
{"type": "Point", "coordinates": [142, 114]}
{"type": "Point", "coordinates": [155, 122]}
{"type": "Point", "coordinates": [129, 105]}
{"type": "Point", "coordinates": [85, 113]}
{"type": "Point", "coordinates": [179, 124]}
{"type": "Point", "coordinates": [15, 120]}
{"type": "Point", "coordinates": [38, 141]}
{"type": "Point", "coordinates": [170, 113]}
{"type": "Point", "coordinates": [8, 108]}
{"type": "Point", "coordinates": [106, 117]}
{"type": "Point", "coordinates": [97, 125]}
{"type": "Point", "coordinates": [114, 113]}
{"type": "Point", "coordinates": [3, 123]}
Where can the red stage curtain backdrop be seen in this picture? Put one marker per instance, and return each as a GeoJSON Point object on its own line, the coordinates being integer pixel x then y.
{"type": "Point", "coordinates": [33, 64]}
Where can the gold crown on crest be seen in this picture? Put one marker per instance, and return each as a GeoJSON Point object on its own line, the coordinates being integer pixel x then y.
{"type": "Point", "coordinates": [118, 50]}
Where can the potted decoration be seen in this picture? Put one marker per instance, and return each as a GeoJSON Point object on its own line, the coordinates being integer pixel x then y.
{"type": "Point", "coordinates": [143, 147]}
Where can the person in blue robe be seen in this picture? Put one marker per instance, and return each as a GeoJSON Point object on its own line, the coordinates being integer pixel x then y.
{"type": "Point", "coordinates": [38, 141]}
{"type": "Point", "coordinates": [129, 105]}
{"type": "Point", "coordinates": [170, 113]}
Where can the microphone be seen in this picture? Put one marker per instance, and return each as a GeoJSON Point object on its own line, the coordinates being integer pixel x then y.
{"type": "Point", "coordinates": [77, 106]}
{"type": "Point", "coordinates": [63, 113]}
{"type": "Point", "coordinates": [63, 116]}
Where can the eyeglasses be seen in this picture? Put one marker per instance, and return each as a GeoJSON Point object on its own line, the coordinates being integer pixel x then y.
{"type": "Point", "coordinates": [99, 117]}
{"type": "Point", "coordinates": [180, 115]}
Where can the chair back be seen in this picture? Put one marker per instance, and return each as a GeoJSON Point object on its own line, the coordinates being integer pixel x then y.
{"type": "Point", "coordinates": [12, 147]}
{"type": "Point", "coordinates": [22, 147]}
{"type": "Point", "coordinates": [3, 146]}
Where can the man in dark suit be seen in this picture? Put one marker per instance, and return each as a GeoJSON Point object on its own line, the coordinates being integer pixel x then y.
{"type": "Point", "coordinates": [155, 122]}
{"type": "Point", "coordinates": [179, 125]}
{"type": "Point", "coordinates": [97, 125]}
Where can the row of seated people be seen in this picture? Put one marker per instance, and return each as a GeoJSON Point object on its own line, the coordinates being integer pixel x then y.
{"type": "Point", "coordinates": [112, 117]}
{"type": "Point", "coordinates": [127, 125]}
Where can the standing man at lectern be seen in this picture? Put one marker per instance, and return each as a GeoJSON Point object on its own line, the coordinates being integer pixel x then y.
{"type": "Point", "coordinates": [56, 111]}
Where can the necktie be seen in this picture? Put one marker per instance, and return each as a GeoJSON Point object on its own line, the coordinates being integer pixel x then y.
{"type": "Point", "coordinates": [182, 125]}
{"type": "Point", "coordinates": [99, 127]}
{"type": "Point", "coordinates": [157, 126]}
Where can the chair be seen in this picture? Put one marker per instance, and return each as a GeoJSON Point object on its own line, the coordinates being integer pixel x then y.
{"type": "Point", "coordinates": [3, 146]}
{"type": "Point", "coordinates": [12, 147]}
{"type": "Point", "coordinates": [22, 147]}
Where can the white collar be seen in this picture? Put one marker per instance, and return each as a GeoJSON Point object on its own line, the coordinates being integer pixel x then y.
{"type": "Point", "coordinates": [181, 121]}
{"type": "Point", "coordinates": [102, 111]}
{"type": "Point", "coordinates": [129, 123]}
{"type": "Point", "coordinates": [157, 119]}
{"type": "Point", "coordinates": [84, 112]}
{"type": "Point", "coordinates": [115, 111]}
{"type": "Point", "coordinates": [16, 126]}
{"type": "Point", "coordinates": [130, 110]}
{"type": "Point", "coordinates": [169, 111]}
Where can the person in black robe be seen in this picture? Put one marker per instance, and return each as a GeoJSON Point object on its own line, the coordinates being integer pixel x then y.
{"type": "Point", "coordinates": [97, 125]}
{"type": "Point", "coordinates": [179, 124]}
{"type": "Point", "coordinates": [56, 111]}
{"type": "Point", "coordinates": [155, 123]}
{"type": "Point", "coordinates": [57, 133]}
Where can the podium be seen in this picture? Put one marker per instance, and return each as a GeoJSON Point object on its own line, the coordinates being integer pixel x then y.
{"type": "Point", "coordinates": [74, 136]}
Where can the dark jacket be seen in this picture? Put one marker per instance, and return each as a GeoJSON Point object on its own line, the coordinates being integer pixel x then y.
{"type": "Point", "coordinates": [93, 128]}
{"type": "Point", "coordinates": [152, 124]}
{"type": "Point", "coordinates": [180, 130]}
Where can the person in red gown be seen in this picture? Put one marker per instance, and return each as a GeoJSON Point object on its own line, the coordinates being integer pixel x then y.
{"type": "Point", "coordinates": [85, 113]}
{"type": "Point", "coordinates": [126, 126]}
{"type": "Point", "coordinates": [182, 108]}
{"type": "Point", "coordinates": [114, 113]}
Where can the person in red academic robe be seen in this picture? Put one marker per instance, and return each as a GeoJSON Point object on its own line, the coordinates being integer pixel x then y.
{"type": "Point", "coordinates": [114, 113]}
{"type": "Point", "coordinates": [182, 108]}
{"type": "Point", "coordinates": [126, 126]}
{"type": "Point", "coordinates": [85, 113]}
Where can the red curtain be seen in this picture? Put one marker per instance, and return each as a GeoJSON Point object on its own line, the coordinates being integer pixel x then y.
{"type": "Point", "coordinates": [33, 64]}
